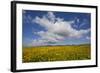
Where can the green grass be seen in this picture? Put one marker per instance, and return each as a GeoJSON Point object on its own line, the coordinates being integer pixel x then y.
{"type": "Point", "coordinates": [56, 53]}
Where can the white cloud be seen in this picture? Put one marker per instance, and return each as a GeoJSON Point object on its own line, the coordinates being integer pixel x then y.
{"type": "Point", "coordinates": [77, 19]}
{"type": "Point", "coordinates": [49, 36]}
{"type": "Point", "coordinates": [88, 38]}
{"type": "Point", "coordinates": [84, 23]}
{"type": "Point", "coordinates": [57, 29]}
{"type": "Point", "coordinates": [51, 16]}
{"type": "Point", "coordinates": [38, 42]}
{"type": "Point", "coordinates": [27, 18]}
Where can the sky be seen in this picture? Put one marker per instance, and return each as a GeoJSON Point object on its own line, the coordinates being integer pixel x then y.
{"type": "Point", "coordinates": [55, 28]}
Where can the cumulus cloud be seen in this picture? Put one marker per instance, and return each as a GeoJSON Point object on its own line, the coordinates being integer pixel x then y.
{"type": "Point", "coordinates": [57, 29]}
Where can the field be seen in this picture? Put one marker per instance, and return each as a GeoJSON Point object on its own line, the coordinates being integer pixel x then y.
{"type": "Point", "coordinates": [56, 53]}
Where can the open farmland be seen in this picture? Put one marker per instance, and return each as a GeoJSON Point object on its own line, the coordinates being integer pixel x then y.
{"type": "Point", "coordinates": [56, 53]}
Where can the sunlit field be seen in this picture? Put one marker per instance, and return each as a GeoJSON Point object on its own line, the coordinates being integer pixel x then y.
{"type": "Point", "coordinates": [56, 53]}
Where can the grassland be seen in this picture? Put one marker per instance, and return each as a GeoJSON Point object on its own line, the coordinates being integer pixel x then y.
{"type": "Point", "coordinates": [56, 53]}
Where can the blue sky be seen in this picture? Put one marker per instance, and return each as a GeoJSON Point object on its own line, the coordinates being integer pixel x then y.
{"type": "Point", "coordinates": [55, 28]}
